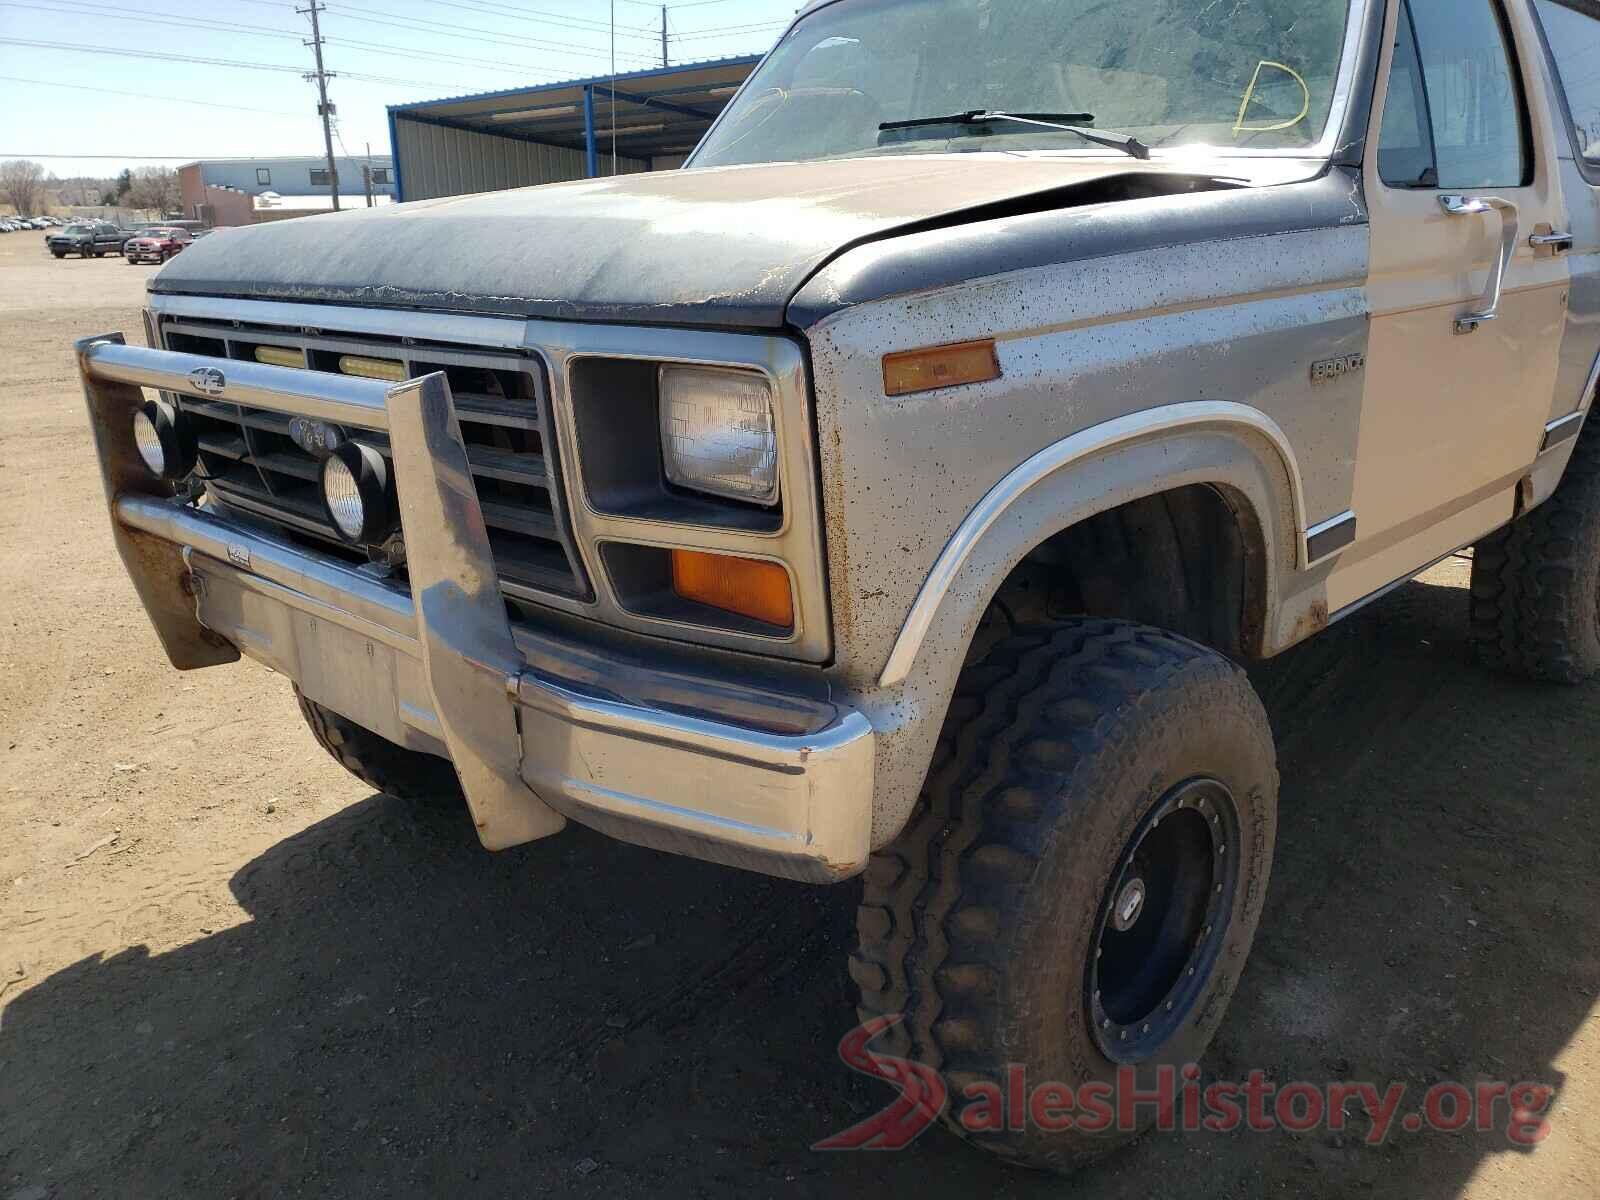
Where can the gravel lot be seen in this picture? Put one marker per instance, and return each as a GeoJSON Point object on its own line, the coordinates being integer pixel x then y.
{"type": "Point", "coordinates": [228, 969]}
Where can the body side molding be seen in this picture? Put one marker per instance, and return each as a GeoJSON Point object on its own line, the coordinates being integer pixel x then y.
{"type": "Point", "coordinates": [1074, 448]}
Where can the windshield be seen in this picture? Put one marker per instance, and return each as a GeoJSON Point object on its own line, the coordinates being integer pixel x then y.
{"type": "Point", "coordinates": [78, 229]}
{"type": "Point", "coordinates": [1244, 74]}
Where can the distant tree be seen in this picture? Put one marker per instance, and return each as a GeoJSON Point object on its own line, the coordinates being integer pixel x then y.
{"type": "Point", "coordinates": [124, 185]}
{"type": "Point", "coordinates": [22, 184]}
{"type": "Point", "coordinates": [154, 188]}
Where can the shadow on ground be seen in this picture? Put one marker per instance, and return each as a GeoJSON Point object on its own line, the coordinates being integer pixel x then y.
{"type": "Point", "coordinates": [405, 1014]}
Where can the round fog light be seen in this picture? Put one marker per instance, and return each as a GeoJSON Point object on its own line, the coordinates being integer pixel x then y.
{"type": "Point", "coordinates": [165, 441]}
{"type": "Point", "coordinates": [358, 493]}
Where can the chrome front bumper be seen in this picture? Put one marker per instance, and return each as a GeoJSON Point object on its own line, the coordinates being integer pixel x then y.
{"type": "Point", "coordinates": [538, 731]}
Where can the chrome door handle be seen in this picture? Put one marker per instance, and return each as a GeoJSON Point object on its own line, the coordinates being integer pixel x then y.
{"type": "Point", "coordinates": [1471, 206]}
{"type": "Point", "coordinates": [1561, 241]}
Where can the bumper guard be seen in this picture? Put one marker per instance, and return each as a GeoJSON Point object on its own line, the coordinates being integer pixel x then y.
{"type": "Point", "coordinates": [530, 749]}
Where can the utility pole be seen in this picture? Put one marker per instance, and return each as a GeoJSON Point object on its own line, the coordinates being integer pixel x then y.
{"type": "Point", "coordinates": [664, 61]}
{"type": "Point", "coordinates": [324, 109]}
{"type": "Point", "coordinates": [366, 175]}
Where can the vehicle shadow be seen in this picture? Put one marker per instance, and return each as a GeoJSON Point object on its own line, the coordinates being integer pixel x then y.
{"type": "Point", "coordinates": [405, 1014]}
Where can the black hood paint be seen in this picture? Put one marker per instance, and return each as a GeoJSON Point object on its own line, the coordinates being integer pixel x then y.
{"type": "Point", "coordinates": [726, 247]}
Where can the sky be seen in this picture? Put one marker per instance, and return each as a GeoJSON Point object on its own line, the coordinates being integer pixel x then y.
{"type": "Point", "coordinates": [81, 110]}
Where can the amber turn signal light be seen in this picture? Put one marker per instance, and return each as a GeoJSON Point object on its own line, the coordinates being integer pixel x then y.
{"type": "Point", "coordinates": [939, 367]}
{"type": "Point", "coordinates": [747, 586]}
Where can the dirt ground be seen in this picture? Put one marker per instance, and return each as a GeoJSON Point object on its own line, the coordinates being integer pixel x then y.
{"type": "Point", "coordinates": [228, 969]}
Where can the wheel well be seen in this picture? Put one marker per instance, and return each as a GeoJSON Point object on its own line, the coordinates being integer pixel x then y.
{"type": "Point", "coordinates": [1190, 560]}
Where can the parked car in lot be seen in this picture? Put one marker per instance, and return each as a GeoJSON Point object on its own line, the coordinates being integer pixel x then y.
{"type": "Point", "coordinates": [88, 238]}
{"type": "Point", "coordinates": [155, 245]}
{"type": "Point", "coordinates": [1065, 361]}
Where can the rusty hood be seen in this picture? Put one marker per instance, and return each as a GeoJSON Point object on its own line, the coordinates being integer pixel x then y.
{"type": "Point", "coordinates": [722, 246]}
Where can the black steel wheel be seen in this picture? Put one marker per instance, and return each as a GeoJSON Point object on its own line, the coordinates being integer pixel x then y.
{"type": "Point", "coordinates": [1163, 921]}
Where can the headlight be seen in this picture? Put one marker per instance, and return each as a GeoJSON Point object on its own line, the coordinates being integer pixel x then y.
{"type": "Point", "coordinates": [165, 441]}
{"type": "Point", "coordinates": [358, 492]}
{"type": "Point", "coordinates": [718, 434]}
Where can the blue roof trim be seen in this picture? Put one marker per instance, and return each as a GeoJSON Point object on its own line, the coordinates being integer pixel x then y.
{"type": "Point", "coordinates": [627, 77]}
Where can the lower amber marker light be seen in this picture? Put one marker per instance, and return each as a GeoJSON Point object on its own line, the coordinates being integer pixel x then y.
{"type": "Point", "coordinates": [749, 587]}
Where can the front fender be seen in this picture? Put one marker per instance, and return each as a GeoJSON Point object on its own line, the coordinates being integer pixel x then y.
{"type": "Point", "coordinates": [1241, 461]}
{"type": "Point", "coordinates": [1121, 376]}
{"type": "Point", "coordinates": [1229, 446]}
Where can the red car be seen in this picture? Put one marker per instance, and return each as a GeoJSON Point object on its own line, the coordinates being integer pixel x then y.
{"type": "Point", "coordinates": [155, 245]}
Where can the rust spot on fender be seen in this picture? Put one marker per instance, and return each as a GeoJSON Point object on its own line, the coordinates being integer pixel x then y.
{"type": "Point", "coordinates": [1313, 621]}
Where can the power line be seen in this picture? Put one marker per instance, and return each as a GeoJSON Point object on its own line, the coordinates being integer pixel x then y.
{"type": "Point", "coordinates": [703, 34]}
{"type": "Point", "coordinates": [685, 4]}
{"type": "Point", "coordinates": [454, 60]}
{"type": "Point", "coordinates": [107, 13]}
{"type": "Point", "coordinates": [230, 157]}
{"type": "Point", "coordinates": [166, 56]}
{"type": "Point", "coordinates": [541, 17]}
{"type": "Point", "coordinates": [271, 112]}
{"type": "Point", "coordinates": [517, 13]}
{"type": "Point", "coordinates": [494, 36]}
{"type": "Point", "coordinates": [261, 31]}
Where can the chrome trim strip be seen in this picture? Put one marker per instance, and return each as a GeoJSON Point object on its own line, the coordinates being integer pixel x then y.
{"type": "Point", "coordinates": [505, 333]}
{"type": "Point", "coordinates": [1095, 440]}
{"type": "Point", "coordinates": [1592, 387]}
{"type": "Point", "coordinates": [1327, 538]}
{"type": "Point", "coordinates": [1563, 430]}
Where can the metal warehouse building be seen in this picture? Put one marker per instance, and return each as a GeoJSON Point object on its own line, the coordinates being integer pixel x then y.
{"type": "Point", "coordinates": [614, 124]}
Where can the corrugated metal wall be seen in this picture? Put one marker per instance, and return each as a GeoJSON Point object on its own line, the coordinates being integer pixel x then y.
{"type": "Point", "coordinates": [435, 160]}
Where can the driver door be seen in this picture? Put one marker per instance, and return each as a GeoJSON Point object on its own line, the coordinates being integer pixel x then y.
{"type": "Point", "coordinates": [1461, 370]}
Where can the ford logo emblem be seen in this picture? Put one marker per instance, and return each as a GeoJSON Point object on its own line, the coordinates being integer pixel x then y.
{"type": "Point", "coordinates": [208, 380]}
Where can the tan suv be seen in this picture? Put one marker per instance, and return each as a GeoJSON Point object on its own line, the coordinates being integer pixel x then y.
{"type": "Point", "coordinates": [894, 491]}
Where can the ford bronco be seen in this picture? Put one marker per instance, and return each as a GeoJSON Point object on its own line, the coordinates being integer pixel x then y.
{"type": "Point", "coordinates": [896, 491]}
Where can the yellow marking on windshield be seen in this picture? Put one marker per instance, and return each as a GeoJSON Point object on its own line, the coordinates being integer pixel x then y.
{"type": "Point", "coordinates": [1250, 94]}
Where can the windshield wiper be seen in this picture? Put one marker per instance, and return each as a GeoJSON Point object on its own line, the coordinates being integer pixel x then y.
{"type": "Point", "coordinates": [1066, 122]}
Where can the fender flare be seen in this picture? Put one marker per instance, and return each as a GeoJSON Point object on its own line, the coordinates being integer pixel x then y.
{"type": "Point", "coordinates": [1031, 478]}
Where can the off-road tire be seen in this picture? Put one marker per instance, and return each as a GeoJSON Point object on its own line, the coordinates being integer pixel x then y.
{"type": "Point", "coordinates": [978, 922]}
{"type": "Point", "coordinates": [58, 253]}
{"type": "Point", "coordinates": [1536, 583]}
{"type": "Point", "coordinates": [378, 762]}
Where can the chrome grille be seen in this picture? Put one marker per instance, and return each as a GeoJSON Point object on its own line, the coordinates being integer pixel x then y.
{"type": "Point", "coordinates": [251, 462]}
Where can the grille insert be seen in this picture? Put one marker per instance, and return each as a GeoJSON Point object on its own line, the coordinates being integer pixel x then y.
{"type": "Point", "coordinates": [250, 461]}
